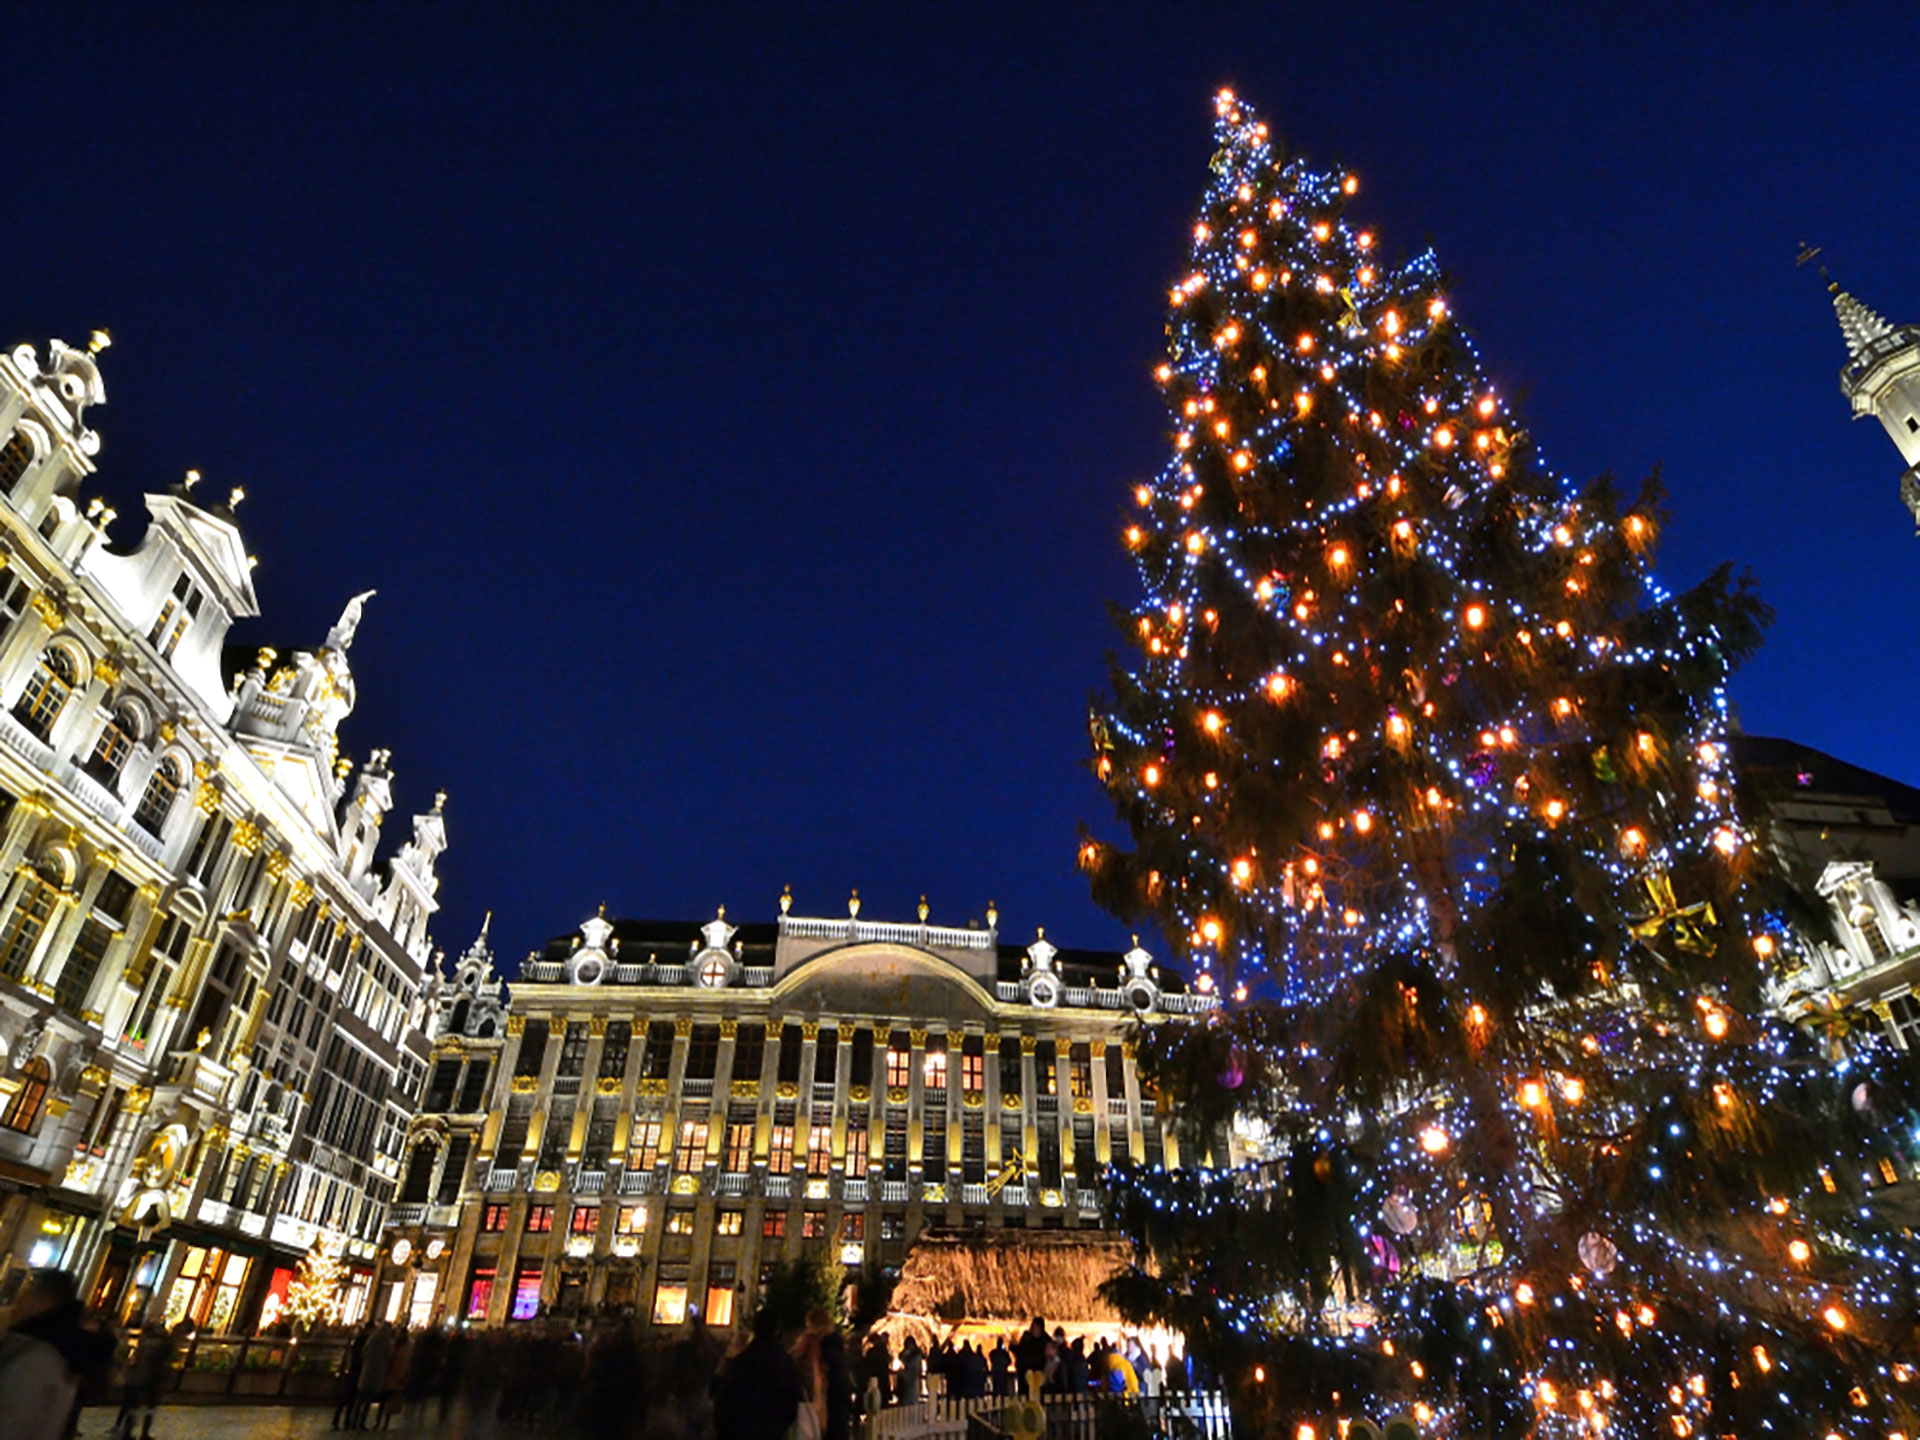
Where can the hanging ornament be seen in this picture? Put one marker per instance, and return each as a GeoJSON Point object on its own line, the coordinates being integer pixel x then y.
{"type": "Point", "coordinates": [1689, 924]}
{"type": "Point", "coordinates": [1234, 1073]}
{"type": "Point", "coordinates": [1598, 1254]}
{"type": "Point", "coordinates": [1399, 1214]}
{"type": "Point", "coordinates": [1862, 1097]}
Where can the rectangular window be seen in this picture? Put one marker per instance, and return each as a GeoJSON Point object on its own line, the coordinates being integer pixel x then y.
{"type": "Point", "coordinates": [893, 1226]}
{"type": "Point", "coordinates": [790, 1054]}
{"type": "Point", "coordinates": [813, 1225]}
{"type": "Point", "coordinates": [773, 1225]}
{"type": "Point", "coordinates": [439, 1096]}
{"type": "Point", "coordinates": [573, 1051]}
{"type": "Point", "coordinates": [644, 1151]}
{"type": "Point", "coordinates": [1010, 1067]}
{"type": "Point", "coordinates": [75, 981]}
{"type": "Point", "coordinates": [473, 1087]}
{"type": "Point", "coordinates": [32, 907]}
{"type": "Point", "coordinates": [670, 1300]}
{"type": "Point", "coordinates": [856, 1151]}
{"type": "Point", "coordinates": [729, 1222]}
{"type": "Point", "coordinates": [533, 1049]}
{"type": "Point", "coordinates": [1903, 1017]}
{"type": "Point", "coordinates": [749, 1052]}
{"type": "Point", "coordinates": [973, 1068]}
{"type": "Point", "coordinates": [861, 1061]}
{"type": "Point", "coordinates": [820, 1149]}
{"type": "Point", "coordinates": [692, 1152]}
{"type": "Point", "coordinates": [826, 1057]}
{"type": "Point", "coordinates": [526, 1293]}
{"type": "Point", "coordinates": [585, 1220]}
{"type": "Point", "coordinates": [513, 1132]}
{"type": "Point", "coordinates": [720, 1293]}
{"type": "Point", "coordinates": [659, 1060]}
{"type": "Point", "coordinates": [480, 1292]}
{"type": "Point", "coordinates": [973, 1147]}
{"type": "Point", "coordinates": [703, 1052]}
{"type": "Point", "coordinates": [633, 1219]}
{"type": "Point", "coordinates": [899, 1064]}
{"type": "Point", "coordinates": [896, 1151]}
{"type": "Point", "coordinates": [613, 1050]}
{"type": "Point", "coordinates": [679, 1220]}
{"type": "Point", "coordinates": [553, 1146]}
{"type": "Point", "coordinates": [739, 1146]}
{"type": "Point", "coordinates": [934, 1067]}
{"type": "Point", "coordinates": [1116, 1072]}
{"type": "Point", "coordinates": [539, 1219]}
{"type": "Point", "coordinates": [454, 1172]}
{"type": "Point", "coordinates": [780, 1153]}
{"type": "Point", "coordinates": [1080, 1073]}
{"type": "Point", "coordinates": [599, 1139]}
{"type": "Point", "coordinates": [1046, 1080]}
{"type": "Point", "coordinates": [853, 1226]}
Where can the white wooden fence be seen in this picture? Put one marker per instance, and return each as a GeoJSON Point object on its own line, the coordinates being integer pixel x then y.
{"type": "Point", "coordinates": [1182, 1414]}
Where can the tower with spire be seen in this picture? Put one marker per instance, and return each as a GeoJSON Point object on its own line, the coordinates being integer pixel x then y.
{"type": "Point", "coordinates": [1882, 378]}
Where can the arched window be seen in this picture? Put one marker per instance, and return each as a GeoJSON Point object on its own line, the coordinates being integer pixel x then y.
{"type": "Point", "coordinates": [16, 458]}
{"type": "Point", "coordinates": [23, 1110]}
{"type": "Point", "coordinates": [156, 804]}
{"type": "Point", "coordinates": [47, 691]}
{"type": "Point", "coordinates": [115, 744]}
{"type": "Point", "coordinates": [458, 1024]}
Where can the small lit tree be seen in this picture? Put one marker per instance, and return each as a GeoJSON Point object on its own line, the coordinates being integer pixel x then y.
{"type": "Point", "coordinates": [314, 1297]}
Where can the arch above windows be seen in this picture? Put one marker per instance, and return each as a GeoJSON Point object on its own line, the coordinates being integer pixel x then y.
{"type": "Point", "coordinates": [162, 793]}
{"type": "Point", "coordinates": [48, 689]}
{"type": "Point", "coordinates": [24, 449]}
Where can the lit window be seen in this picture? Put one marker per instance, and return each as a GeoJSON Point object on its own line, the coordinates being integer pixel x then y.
{"type": "Point", "coordinates": [584, 1220]}
{"type": "Point", "coordinates": [539, 1219]}
{"type": "Point", "coordinates": [856, 1152]}
{"type": "Point", "coordinates": [645, 1149]}
{"type": "Point", "coordinates": [23, 1108]}
{"type": "Point", "coordinates": [934, 1068]}
{"type": "Point", "coordinates": [494, 1219]}
{"type": "Point", "coordinates": [729, 1222]}
{"type": "Point", "coordinates": [973, 1072]}
{"type": "Point", "coordinates": [692, 1153]}
{"type": "Point", "coordinates": [899, 1069]}
{"type": "Point", "coordinates": [670, 1302]}
{"type": "Point", "coordinates": [773, 1225]}
{"type": "Point", "coordinates": [680, 1220]}
{"type": "Point", "coordinates": [739, 1146]}
{"type": "Point", "coordinates": [31, 910]}
{"type": "Point", "coordinates": [526, 1293]}
{"type": "Point", "coordinates": [480, 1293]}
{"type": "Point", "coordinates": [813, 1224]}
{"type": "Point", "coordinates": [633, 1219]}
{"type": "Point", "coordinates": [853, 1226]}
{"type": "Point", "coordinates": [780, 1154]}
{"type": "Point", "coordinates": [720, 1297]}
{"type": "Point", "coordinates": [820, 1150]}
{"type": "Point", "coordinates": [16, 458]}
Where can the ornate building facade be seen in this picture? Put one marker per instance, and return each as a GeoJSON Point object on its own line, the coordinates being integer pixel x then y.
{"type": "Point", "coordinates": [667, 1110]}
{"type": "Point", "coordinates": [211, 1004]}
{"type": "Point", "coordinates": [1882, 378]}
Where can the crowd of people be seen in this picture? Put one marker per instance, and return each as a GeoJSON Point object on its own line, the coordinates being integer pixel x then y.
{"type": "Point", "coordinates": [796, 1383]}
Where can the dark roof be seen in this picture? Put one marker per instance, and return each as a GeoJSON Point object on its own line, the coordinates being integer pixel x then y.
{"type": "Point", "coordinates": [1774, 769]}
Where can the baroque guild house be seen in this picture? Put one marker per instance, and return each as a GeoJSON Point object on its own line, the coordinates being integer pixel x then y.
{"type": "Point", "coordinates": [668, 1109]}
{"type": "Point", "coordinates": [211, 1002]}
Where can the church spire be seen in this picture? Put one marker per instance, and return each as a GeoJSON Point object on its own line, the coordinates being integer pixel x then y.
{"type": "Point", "coordinates": [1859, 324]}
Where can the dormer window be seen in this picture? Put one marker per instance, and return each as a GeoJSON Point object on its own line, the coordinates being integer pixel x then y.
{"type": "Point", "coordinates": [47, 692]}
{"type": "Point", "coordinates": [111, 750]}
{"type": "Point", "coordinates": [16, 458]}
{"type": "Point", "coordinates": [182, 607]}
{"type": "Point", "coordinates": [156, 802]}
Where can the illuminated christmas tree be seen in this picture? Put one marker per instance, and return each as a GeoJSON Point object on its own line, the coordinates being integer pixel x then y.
{"type": "Point", "coordinates": [315, 1293]}
{"type": "Point", "coordinates": [1428, 780]}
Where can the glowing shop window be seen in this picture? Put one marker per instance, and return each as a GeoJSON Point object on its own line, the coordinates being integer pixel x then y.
{"type": "Point", "coordinates": [481, 1293]}
{"type": "Point", "coordinates": [670, 1302]}
{"type": "Point", "coordinates": [420, 1311]}
{"type": "Point", "coordinates": [526, 1293]}
{"type": "Point", "coordinates": [633, 1219]}
{"type": "Point", "coordinates": [719, 1305]}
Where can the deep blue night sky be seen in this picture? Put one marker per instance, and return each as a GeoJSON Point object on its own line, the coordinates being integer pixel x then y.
{"type": "Point", "coordinates": [736, 413]}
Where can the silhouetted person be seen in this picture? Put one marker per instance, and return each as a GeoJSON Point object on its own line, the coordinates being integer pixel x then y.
{"type": "Point", "coordinates": [758, 1394]}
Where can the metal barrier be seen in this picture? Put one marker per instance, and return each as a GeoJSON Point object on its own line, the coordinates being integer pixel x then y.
{"type": "Point", "coordinates": [262, 1368]}
{"type": "Point", "coordinates": [1183, 1414]}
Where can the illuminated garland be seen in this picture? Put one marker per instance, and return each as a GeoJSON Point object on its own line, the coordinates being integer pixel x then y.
{"type": "Point", "coordinates": [1424, 768]}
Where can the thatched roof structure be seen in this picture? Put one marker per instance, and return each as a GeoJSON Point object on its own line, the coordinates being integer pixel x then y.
{"type": "Point", "coordinates": [970, 1282]}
